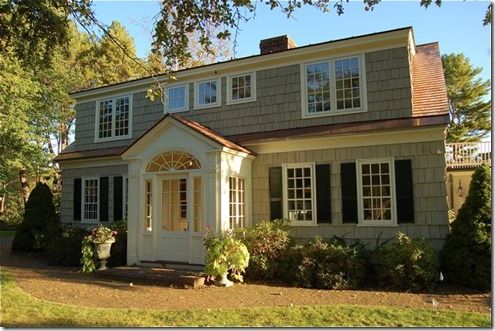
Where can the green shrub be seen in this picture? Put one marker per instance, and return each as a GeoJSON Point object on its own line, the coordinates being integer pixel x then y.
{"type": "Point", "coordinates": [466, 255]}
{"type": "Point", "coordinates": [407, 264]}
{"type": "Point", "coordinates": [327, 264]}
{"type": "Point", "coordinates": [225, 254]}
{"type": "Point", "coordinates": [65, 248]}
{"type": "Point", "coordinates": [39, 223]}
{"type": "Point", "coordinates": [118, 251]}
{"type": "Point", "coordinates": [266, 243]}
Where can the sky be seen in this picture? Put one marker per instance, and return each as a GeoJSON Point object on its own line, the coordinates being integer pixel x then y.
{"type": "Point", "coordinates": [457, 26]}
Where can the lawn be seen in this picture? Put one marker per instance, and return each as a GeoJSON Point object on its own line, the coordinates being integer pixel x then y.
{"type": "Point", "coordinates": [19, 309]}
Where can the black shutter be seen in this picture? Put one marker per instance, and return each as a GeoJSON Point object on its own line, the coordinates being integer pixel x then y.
{"type": "Point", "coordinates": [76, 207]}
{"type": "Point", "coordinates": [275, 182]}
{"type": "Point", "coordinates": [104, 199]}
{"type": "Point", "coordinates": [323, 210]}
{"type": "Point", "coordinates": [117, 198]}
{"type": "Point", "coordinates": [349, 192]}
{"type": "Point", "coordinates": [404, 191]}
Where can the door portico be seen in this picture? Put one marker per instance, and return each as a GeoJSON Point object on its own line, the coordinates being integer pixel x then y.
{"type": "Point", "coordinates": [177, 186]}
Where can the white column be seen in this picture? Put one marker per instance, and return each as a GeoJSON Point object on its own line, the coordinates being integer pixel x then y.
{"type": "Point", "coordinates": [134, 212]}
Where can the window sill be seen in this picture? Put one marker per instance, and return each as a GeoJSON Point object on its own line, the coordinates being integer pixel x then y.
{"type": "Point", "coordinates": [102, 140]}
{"type": "Point", "coordinates": [303, 224]}
{"type": "Point", "coordinates": [237, 102]}
{"type": "Point", "coordinates": [388, 224]}
{"type": "Point", "coordinates": [198, 107]}
{"type": "Point", "coordinates": [306, 115]}
{"type": "Point", "coordinates": [173, 111]}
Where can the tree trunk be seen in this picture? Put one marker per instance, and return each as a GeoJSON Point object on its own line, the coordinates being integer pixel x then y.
{"type": "Point", "coordinates": [24, 184]}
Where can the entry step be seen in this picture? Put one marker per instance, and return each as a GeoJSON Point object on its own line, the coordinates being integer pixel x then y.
{"type": "Point", "coordinates": [173, 265]}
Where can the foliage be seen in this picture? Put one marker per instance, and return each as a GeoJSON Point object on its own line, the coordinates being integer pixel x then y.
{"type": "Point", "coordinates": [328, 264]}
{"type": "Point", "coordinates": [118, 251]}
{"type": "Point", "coordinates": [19, 309]}
{"type": "Point", "coordinates": [266, 243]}
{"type": "Point", "coordinates": [88, 255]}
{"type": "Point", "coordinates": [407, 264]}
{"type": "Point", "coordinates": [99, 234]}
{"type": "Point", "coordinates": [225, 254]}
{"type": "Point", "coordinates": [466, 255]}
{"type": "Point", "coordinates": [469, 111]}
{"type": "Point", "coordinates": [65, 248]}
{"type": "Point", "coordinates": [39, 221]}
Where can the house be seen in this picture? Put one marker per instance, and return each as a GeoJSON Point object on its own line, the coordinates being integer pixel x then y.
{"type": "Point", "coordinates": [343, 138]}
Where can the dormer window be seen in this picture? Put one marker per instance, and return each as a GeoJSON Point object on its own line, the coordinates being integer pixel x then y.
{"type": "Point", "coordinates": [177, 98]}
{"type": "Point", "coordinates": [333, 87]}
{"type": "Point", "coordinates": [113, 119]}
{"type": "Point", "coordinates": [207, 93]}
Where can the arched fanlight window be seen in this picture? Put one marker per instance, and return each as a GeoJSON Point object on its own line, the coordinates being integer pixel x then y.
{"type": "Point", "coordinates": [172, 161]}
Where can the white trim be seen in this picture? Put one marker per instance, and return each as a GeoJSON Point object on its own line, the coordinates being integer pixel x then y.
{"type": "Point", "coordinates": [286, 166]}
{"type": "Point", "coordinates": [93, 162]}
{"type": "Point", "coordinates": [125, 188]}
{"type": "Point", "coordinates": [381, 41]}
{"type": "Point", "coordinates": [333, 95]}
{"type": "Point", "coordinates": [409, 135]}
{"type": "Point", "coordinates": [83, 200]}
{"type": "Point", "coordinates": [219, 93]}
{"type": "Point", "coordinates": [252, 98]}
{"type": "Point", "coordinates": [113, 137]}
{"type": "Point", "coordinates": [186, 96]}
{"type": "Point", "coordinates": [361, 221]}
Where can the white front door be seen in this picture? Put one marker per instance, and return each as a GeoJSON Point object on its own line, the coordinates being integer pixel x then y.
{"type": "Point", "coordinates": [175, 219]}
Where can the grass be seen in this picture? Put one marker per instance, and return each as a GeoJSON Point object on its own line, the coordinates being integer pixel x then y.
{"type": "Point", "coordinates": [19, 309]}
{"type": "Point", "coordinates": [7, 233]}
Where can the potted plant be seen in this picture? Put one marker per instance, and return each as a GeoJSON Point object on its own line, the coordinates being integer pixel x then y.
{"type": "Point", "coordinates": [97, 243]}
{"type": "Point", "coordinates": [225, 254]}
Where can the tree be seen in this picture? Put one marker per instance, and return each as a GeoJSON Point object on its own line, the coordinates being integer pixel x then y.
{"type": "Point", "coordinates": [115, 57]}
{"type": "Point", "coordinates": [34, 28]}
{"type": "Point", "coordinates": [466, 255]}
{"type": "Point", "coordinates": [469, 112]}
{"type": "Point", "coordinates": [39, 220]}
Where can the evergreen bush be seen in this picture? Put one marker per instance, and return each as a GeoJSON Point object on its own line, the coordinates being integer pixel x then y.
{"type": "Point", "coordinates": [328, 264]}
{"type": "Point", "coordinates": [118, 251]}
{"type": "Point", "coordinates": [40, 222]}
{"type": "Point", "coordinates": [466, 255]}
{"type": "Point", "coordinates": [407, 264]}
{"type": "Point", "coordinates": [266, 243]}
{"type": "Point", "coordinates": [65, 248]}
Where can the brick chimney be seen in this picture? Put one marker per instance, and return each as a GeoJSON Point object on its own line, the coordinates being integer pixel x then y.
{"type": "Point", "coordinates": [276, 44]}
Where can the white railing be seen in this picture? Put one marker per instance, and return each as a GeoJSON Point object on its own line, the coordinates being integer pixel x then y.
{"type": "Point", "coordinates": [466, 155]}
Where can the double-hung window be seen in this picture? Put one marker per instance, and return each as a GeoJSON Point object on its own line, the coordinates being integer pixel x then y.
{"type": "Point", "coordinates": [236, 202]}
{"type": "Point", "coordinates": [376, 187]}
{"type": "Point", "coordinates": [299, 193]}
{"type": "Point", "coordinates": [335, 86]}
{"type": "Point", "coordinates": [207, 93]}
{"type": "Point", "coordinates": [114, 118]}
{"type": "Point", "coordinates": [90, 199]}
{"type": "Point", "coordinates": [177, 98]}
{"type": "Point", "coordinates": [241, 88]}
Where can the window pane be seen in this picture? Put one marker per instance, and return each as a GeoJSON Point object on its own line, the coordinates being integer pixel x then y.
{"type": "Point", "coordinates": [90, 199]}
{"type": "Point", "coordinates": [176, 97]}
{"type": "Point", "coordinates": [299, 184]}
{"type": "Point", "coordinates": [105, 120]}
{"type": "Point", "coordinates": [148, 224]}
{"type": "Point", "coordinates": [122, 116]}
{"type": "Point", "coordinates": [376, 191]}
{"type": "Point", "coordinates": [318, 86]}
{"type": "Point", "coordinates": [207, 92]}
{"type": "Point", "coordinates": [347, 81]}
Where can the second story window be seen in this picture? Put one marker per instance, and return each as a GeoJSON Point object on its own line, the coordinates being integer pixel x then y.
{"type": "Point", "coordinates": [333, 87]}
{"type": "Point", "coordinates": [241, 88]}
{"type": "Point", "coordinates": [177, 97]}
{"type": "Point", "coordinates": [114, 118]}
{"type": "Point", "coordinates": [207, 93]}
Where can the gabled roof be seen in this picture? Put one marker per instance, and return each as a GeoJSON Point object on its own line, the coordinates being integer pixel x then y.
{"type": "Point", "coordinates": [429, 93]}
